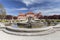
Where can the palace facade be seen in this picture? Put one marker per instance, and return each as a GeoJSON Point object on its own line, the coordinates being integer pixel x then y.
{"type": "Point", "coordinates": [23, 16]}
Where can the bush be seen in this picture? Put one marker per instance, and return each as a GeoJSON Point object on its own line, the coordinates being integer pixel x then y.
{"type": "Point", "coordinates": [58, 21]}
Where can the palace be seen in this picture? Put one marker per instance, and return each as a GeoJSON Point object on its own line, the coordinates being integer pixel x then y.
{"type": "Point", "coordinates": [23, 16]}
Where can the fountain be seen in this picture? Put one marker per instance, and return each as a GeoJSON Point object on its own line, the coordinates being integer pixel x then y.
{"type": "Point", "coordinates": [29, 28]}
{"type": "Point", "coordinates": [31, 24]}
{"type": "Point", "coordinates": [27, 24]}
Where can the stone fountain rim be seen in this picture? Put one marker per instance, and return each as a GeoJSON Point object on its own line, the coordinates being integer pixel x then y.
{"type": "Point", "coordinates": [32, 29]}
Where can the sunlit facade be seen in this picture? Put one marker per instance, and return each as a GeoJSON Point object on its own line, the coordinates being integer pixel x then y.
{"type": "Point", "coordinates": [23, 16]}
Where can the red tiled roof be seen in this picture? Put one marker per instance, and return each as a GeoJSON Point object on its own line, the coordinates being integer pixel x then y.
{"type": "Point", "coordinates": [29, 13]}
{"type": "Point", "coordinates": [37, 14]}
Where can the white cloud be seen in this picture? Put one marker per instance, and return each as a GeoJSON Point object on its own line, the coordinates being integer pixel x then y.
{"type": "Point", "coordinates": [54, 11]}
{"type": "Point", "coordinates": [54, 0]}
{"type": "Point", "coordinates": [29, 2]}
{"type": "Point", "coordinates": [13, 9]}
{"type": "Point", "coordinates": [21, 9]}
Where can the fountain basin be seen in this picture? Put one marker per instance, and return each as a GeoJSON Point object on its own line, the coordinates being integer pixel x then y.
{"type": "Point", "coordinates": [57, 27]}
{"type": "Point", "coordinates": [29, 32]}
{"type": "Point", "coordinates": [29, 29]}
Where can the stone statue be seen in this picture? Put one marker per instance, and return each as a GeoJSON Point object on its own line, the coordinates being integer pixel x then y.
{"type": "Point", "coordinates": [29, 22]}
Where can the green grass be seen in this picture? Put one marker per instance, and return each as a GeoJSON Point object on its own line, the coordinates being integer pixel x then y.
{"type": "Point", "coordinates": [55, 20]}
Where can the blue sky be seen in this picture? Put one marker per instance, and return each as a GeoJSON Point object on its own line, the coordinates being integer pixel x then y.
{"type": "Point", "coordinates": [47, 7]}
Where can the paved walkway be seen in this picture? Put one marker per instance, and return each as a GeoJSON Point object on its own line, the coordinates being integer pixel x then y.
{"type": "Point", "coordinates": [53, 36]}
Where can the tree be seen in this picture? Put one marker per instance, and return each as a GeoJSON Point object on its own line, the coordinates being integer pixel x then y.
{"type": "Point", "coordinates": [14, 17]}
{"type": "Point", "coordinates": [2, 12]}
{"type": "Point", "coordinates": [9, 17]}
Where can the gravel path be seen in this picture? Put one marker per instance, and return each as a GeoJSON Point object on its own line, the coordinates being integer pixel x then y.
{"type": "Point", "coordinates": [53, 36]}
